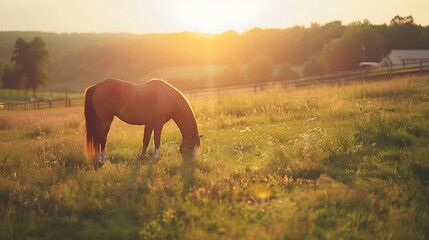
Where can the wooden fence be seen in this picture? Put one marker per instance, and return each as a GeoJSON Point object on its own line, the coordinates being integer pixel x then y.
{"type": "Point", "coordinates": [342, 78]}
{"type": "Point", "coordinates": [369, 74]}
{"type": "Point", "coordinates": [42, 104]}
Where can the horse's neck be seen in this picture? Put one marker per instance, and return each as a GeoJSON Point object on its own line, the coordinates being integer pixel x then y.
{"type": "Point", "coordinates": [185, 120]}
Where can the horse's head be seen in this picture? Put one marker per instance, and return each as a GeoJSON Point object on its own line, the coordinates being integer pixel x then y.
{"type": "Point", "coordinates": [189, 147]}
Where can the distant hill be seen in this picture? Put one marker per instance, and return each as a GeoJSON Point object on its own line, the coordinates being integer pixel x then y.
{"type": "Point", "coordinates": [198, 60]}
{"type": "Point", "coordinates": [78, 60]}
{"type": "Point", "coordinates": [74, 62]}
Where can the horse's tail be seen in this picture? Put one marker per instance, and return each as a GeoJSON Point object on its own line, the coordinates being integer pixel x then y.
{"type": "Point", "coordinates": [90, 123]}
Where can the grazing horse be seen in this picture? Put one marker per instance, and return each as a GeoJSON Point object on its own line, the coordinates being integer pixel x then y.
{"type": "Point", "coordinates": [151, 104]}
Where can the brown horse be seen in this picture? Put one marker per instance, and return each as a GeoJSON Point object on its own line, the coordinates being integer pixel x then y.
{"type": "Point", "coordinates": [151, 104]}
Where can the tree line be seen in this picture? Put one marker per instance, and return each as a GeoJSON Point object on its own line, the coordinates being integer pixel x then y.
{"type": "Point", "coordinates": [28, 66]}
{"type": "Point", "coordinates": [78, 60]}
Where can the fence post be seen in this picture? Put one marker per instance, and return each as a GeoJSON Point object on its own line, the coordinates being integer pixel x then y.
{"type": "Point", "coordinates": [68, 102]}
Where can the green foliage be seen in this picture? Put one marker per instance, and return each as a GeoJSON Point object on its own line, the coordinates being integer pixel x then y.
{"type": "Point", "coordinates": [286, 73]}
{"type": "Point", "coordinates": [30, 63]}
{"type": "Point", "coordinates": [314, 66]}
{"type": "Point", "coordinates": [78, 60]}
{"type": "Point", "coordinates": [9, 78]}
{"type": "Point", "coordinates": [260, 69]}
{"type": "Point", "coordinates": [344, 162]}
{"type": "Point", "coordinates": [359, 43]}
{"type": "Point", "coordinates": [398, 20]}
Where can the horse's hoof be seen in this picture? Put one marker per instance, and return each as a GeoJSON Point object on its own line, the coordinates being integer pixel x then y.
{"type": "Point", "coordinates": [141, 157]}
{"type": "Point", "coordinates": [156, 155]}
{"type": "Point", "coordinates": [98, 164]}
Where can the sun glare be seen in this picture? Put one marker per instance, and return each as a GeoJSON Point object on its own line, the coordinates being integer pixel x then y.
{"type": "Point", "coordinates": [215, 16]}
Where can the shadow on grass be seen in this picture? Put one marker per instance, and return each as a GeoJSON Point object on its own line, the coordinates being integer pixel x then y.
{"type": "Point", "coordinates": [188, 174]}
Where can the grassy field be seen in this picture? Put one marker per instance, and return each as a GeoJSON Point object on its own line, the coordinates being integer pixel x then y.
{"type": "Point", "coordinates": [345, 162]}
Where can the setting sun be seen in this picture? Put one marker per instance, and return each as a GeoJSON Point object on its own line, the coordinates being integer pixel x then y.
{"type": "Point", "coordinates": [207, 16]}
{"type": "Point", "coordinates": [216, 16]}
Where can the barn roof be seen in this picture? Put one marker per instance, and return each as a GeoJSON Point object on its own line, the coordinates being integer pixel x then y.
{"type": "Point", "coordinates": [422, 54]}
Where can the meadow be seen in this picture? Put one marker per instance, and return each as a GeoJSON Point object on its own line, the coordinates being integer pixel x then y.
{"type": "Point", "coordinates": [326, 162]}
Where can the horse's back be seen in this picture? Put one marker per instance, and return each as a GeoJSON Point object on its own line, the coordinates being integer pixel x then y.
{"type": "Point", "coordinates": [160, 85]}
{"type": "Point", "coordinates": [135, 103]}
{"type": "Point", "coordinates": [108, 95]}
{"type": "Point", "coordinates": [167, 96]}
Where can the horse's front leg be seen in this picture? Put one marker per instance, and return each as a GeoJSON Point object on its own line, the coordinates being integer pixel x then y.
{"type": "Point", "coordinates": [157, 140]}
{"type": "Point", "coordinates": [146, 139]}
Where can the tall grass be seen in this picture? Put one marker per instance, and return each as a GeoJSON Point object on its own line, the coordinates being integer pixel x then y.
{"type": "Point", "coordinates": [319, 163]}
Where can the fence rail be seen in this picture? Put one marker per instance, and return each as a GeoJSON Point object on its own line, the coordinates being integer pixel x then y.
{"type": "Point", "coordinates": [363, 74]}
{"type": "Point", "coordinates": [45, 104]}
{"type": "Point", "coordinates": [342, 78]}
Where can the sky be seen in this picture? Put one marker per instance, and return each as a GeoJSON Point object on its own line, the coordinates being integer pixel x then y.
{"type": "Point", "coordinates": [208, 16]}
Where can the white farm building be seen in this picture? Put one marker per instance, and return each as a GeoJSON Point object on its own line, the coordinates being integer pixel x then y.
{"type": "Point", "coordinates": [406, 58]}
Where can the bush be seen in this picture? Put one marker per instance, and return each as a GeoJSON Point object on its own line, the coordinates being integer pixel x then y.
{"type": "Point", "coordinates": [260, 69]}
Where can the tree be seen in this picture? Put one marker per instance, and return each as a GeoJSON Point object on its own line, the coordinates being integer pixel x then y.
{"type": "Point", "coordinates": [404, 33]}
{"type": "Point", "coordinates": [260, 69]}
{"type": "Point", "coordinates": [232, 75]}
{"type": "Point", "coordinates": [286, 73]}
{"type": "Point", "coordinates": [398, 20]}
{"type": "Point", "coordinates": [1, 74]}
{"type": "Point", "coordinates": [359, 43]}
{"type": "Point", "coordinates": [332, 30]}
{"type": "Point", "coordinates": [314, 66]}
{"type": "Point", "coordinates": [332, 56]}
{"type": "Point", "coordinates": [31, 61]}
{"type": "Point", "coordinates": [9, 78]}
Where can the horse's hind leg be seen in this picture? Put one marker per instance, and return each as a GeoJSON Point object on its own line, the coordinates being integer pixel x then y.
{"type": "Point", "coordinates": [102, 131]}
{"type": "Point", "coordinates": [157, 140]}
{"type": "Point", "coordinates": [99, 156]}
{"type": "Point", "coordinates": [146, 139]}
